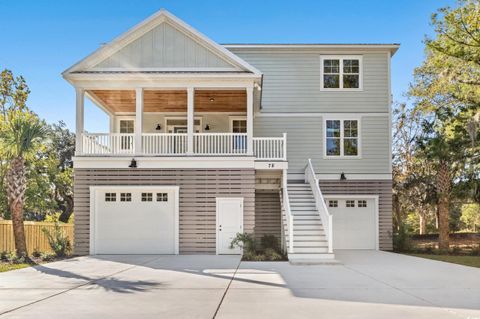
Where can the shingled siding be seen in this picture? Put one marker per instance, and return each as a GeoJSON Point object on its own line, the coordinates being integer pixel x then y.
{"type": "Point", "coordinates": [199, 189]}
{"type": "Point", "coordinates": [382, 188]}
{"type": "Point", "coordinates": [267, 214]}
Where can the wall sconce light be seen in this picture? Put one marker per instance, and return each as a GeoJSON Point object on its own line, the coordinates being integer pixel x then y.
{"type": "Point", "coordinates": [212, 99]}
{"type": "Point", "coordinates": [207, 128]}
{"type": "Point", "coordinates": [158, 128]}
{"type": "Point", "coordinates": [343, 177]}
{"type": "Point", "coordinates": [133, 163]}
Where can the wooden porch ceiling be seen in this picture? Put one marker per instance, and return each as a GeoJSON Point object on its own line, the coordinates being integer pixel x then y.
{"type": "Point", "coordinates": [172, 100]}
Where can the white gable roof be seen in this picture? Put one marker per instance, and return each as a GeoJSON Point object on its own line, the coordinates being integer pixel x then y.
{"type": "Point", "coordinates": [162, 42]}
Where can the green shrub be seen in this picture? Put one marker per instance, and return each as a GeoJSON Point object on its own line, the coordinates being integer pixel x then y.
{"type": "Point", "coordinates": [269, 242]}
{"type": "Point", "coordinates": [401, 240]}
{"type": "Point", "coordinates": [45, 256]}
{"type": "Point", "coordinates": [272, 255]}
{"type": "Point", "coordinates": [249, 256]}
{"type": "Point", "coordinates": [13, 258]}
{"type": "Point", "coordinates": [3, 256]}
{"type": "Point", "coordinates": [58, 241]}
{"type": "Point", "coordinates": [245, 241]}
{"type": "Point", "coordinates": [260, 257]}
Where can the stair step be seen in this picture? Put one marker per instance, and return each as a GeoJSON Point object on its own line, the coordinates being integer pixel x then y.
{"type": "Point", "coordinates": [302, 222]}
{"type": "Point", "coordinates": [310, 250]}
{"type": "Point", "coordinates": [307, 232]}
{"type": "Point", "coordinates": [318, 243]}
{"type": "Point", "coordinates": [307, 217]}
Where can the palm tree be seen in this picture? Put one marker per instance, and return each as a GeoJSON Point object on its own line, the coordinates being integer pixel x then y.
{"type": "Point", "coordinates": [20, 135]}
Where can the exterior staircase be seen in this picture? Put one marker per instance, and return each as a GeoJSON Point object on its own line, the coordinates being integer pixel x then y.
{"type": "Point", "coordinates": [307, 224]}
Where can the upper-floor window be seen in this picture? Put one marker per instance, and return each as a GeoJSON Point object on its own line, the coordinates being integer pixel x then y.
{"type": "Point", "coordinates": [341, 73]}
{"type": "Point", "coordinates": [342, 138]}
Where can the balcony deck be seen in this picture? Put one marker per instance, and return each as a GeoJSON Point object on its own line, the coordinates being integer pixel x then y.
{"type": "Point", "coordinates": [176, 144]}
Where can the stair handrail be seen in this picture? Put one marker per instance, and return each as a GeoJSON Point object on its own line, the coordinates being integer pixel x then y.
{"type": "Point", "coordinates": [325, 216]}
{"type": "Point", "coordinates": [288, 212]}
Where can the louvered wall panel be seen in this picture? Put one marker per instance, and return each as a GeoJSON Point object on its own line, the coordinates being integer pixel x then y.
{"type": "Point", "coordinates": [198, 192]}
{"type": "Point", "coordinates": [267, 214]}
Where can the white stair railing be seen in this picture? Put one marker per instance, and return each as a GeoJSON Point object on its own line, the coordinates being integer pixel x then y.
{"type": "Point", "coordinates": [325, 216]}
{"type": "Point", "coordinates": [288, 212]}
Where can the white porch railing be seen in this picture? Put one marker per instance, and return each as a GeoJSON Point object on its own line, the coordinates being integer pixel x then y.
{"type": "Point", "coordinates": [208, 144]}
{"type": "Point", "coordinates": [320, 203]}
{"type": "Point", "coordinates": [220, 144]}
{"type": "Point", "coordinates": [270, 148]}
{"type": "Point", "coordinates": [288, 213]}
{"type": "Point", "coordinates": [164, 144]}
{"type": "Point", "coordinates": [108, 144]}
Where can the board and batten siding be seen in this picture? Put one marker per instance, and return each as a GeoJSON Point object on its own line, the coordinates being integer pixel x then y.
{"type": "Point", "coordinates": [382, 188]}
{"type": "Point", "coordinates": [164, 47]}
{"type": "Point", "coordinates": [305, 140]}
{"type": "Point", "coordinates": [199, 189]}
{"type": "Point", "coordinates": [291, 80]}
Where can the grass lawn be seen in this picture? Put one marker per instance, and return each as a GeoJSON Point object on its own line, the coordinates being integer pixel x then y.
{"type": "Point", "coordinates": [472, 261]}
{"type": "Point", "coordinates": [6, 267]}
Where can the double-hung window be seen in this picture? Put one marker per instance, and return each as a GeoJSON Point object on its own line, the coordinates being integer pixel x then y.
{"type": "Point", "coordinates": [342, 138]}
{"type": "Point", "coordinates": [341, 73]}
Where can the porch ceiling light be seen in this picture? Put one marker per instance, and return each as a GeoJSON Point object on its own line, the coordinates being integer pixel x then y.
{"type": "Point", "coordinates": [212, 99]}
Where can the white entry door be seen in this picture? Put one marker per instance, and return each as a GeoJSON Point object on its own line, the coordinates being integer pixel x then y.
{"type": "Point", "coordinates": [229, 224]}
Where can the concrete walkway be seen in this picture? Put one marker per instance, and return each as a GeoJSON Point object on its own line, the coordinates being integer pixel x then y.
{"type": "Point", "coordinates": [367, 284]}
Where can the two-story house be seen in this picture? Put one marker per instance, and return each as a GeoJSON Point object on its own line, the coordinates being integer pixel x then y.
{"type": "Point", "coordinates": [209, 140]}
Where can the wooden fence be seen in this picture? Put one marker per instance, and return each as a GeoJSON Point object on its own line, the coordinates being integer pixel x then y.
{"type": "Point", "coordinates": [36, 239]}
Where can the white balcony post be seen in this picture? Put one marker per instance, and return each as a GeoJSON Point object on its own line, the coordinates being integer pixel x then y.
{"type": "Point", "coordinates": [284, 146]}
{"type": "Point", "coordinates": [190, 119]}
{"type": "Point", "coordinates": [249, 120]}
{"type": "Point", "coordinates": [79, 119]}
{"type": "Point", "coordinates": [138, 120]}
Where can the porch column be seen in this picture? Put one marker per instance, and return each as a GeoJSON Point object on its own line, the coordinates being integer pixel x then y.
{"type": "Point", "coordinates": [190, 119]}
{"type": "Point", "coordinates": [79, 120]}
{"type": "Point", "coordinates": [138, 120]}
{"type": "Point", "coordinates": [249, 120]}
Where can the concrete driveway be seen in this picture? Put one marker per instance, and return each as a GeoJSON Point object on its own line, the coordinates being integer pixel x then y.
{"type": "Point", "coordinates": [367, 284]}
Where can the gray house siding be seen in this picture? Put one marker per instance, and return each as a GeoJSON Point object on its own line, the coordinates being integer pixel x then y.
{"type": "Point", "coordinates": [305, 140]}
{"type": "Point", "coordinates": [291, 81]}
{"type": "Point", "coordinates": [382, 188]}
{"type": "Point", "coordinates": [199, 189]}
{"type": "Point", "coordinates": [164, 46]}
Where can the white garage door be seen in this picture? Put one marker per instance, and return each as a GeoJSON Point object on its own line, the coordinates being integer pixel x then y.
{"type": "Point", "coordinates": [354, 223]}
{"type": "Point", "coordinates": [134, 220]}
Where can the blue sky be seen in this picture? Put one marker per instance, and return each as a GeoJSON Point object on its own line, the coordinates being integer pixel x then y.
{"type": "Point", "coordinates": [41, 38]}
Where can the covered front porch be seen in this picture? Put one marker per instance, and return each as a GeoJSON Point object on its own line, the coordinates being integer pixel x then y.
{"type": "Point", "coordinates": [189, 121]}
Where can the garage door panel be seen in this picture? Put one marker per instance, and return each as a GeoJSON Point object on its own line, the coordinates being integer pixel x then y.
{"type": "Point", "coordinates": [354, 227]}
{"type": "Point", "coordinates": [139, 223]}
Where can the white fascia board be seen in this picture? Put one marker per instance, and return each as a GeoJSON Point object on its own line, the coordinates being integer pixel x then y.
{"type": "Point", "coordinates": [319, 114]}
{"type": "Point", "coordinates": [164, 162]}
{"type": "Point", "coordinates": [391, 47]}
{"type": "Point", "coordinates": [271, 165]}
{"type": "Point", "coordinates": [147, 25]}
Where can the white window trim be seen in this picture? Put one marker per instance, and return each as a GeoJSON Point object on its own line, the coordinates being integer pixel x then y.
{"type": "Point", "coordinates": [233, 118]}
{"type": "Point", "coordinates": [341, 58]}
{"type": "Point", "coordinates": [125, 118]}
{"type": "Point", "coordinates": [359, 137]}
